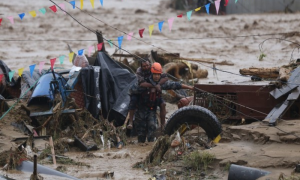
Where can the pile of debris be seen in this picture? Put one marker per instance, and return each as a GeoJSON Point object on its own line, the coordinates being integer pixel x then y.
{"type": "Point", "coordinates": [182, 149]}
{"type": "Point", "coordinates": [83, 132]}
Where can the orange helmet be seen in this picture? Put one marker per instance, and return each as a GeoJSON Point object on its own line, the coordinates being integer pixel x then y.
{"type": "Point", "coordinates": [156, 68]}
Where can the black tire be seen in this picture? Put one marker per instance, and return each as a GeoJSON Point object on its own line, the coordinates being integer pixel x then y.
{"type": "Point", "coordinates": [195, 115]}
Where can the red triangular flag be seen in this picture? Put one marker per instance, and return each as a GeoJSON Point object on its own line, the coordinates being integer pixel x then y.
{"type": "Point", "coordinates": [1, 75]}
{"type": "Point", "coordinates": [53, 8]}
{"type": "Point", "coordinates": [141, 31]}
{"type": "Point", "coordinates": [52, 61]}
{"type": "Point", "coordinates": [0, 21]}
{"type": "Point", "coordinates": [226, 2]}
{"type": "Point", "coordinates": [100, 46]}
{"type": "Point", "coordinates": [180, 16]}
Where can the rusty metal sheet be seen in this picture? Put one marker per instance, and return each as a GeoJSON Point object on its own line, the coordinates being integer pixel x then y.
{"type": "Point", "coordinates": [293, 82]}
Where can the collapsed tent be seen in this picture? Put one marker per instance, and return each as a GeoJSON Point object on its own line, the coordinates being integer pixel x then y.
{"type": "Point", "coordinates": [108, 88]}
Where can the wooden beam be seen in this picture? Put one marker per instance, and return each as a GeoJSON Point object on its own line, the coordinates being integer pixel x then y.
{"type": "Point", "coordinates": [206, 60]}
{"type": "Point", "coordinates": [52, 150]}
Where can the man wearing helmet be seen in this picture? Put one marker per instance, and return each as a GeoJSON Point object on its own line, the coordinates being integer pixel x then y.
{"type": "Point", "coordinates": [149, 99]}
{"type": "Point", "coordinates": [142, 74]}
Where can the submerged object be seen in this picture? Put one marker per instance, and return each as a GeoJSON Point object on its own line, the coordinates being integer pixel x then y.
{"type": "Point", "coordinates": [28, 167]}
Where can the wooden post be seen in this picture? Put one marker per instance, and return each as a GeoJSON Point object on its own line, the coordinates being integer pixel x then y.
{"type": "Point", "coordinates": [52, 150]}
{"type": "Point", "coordinates": [35, 166]}
{"type": "Point", "coordinates": [100, 40]}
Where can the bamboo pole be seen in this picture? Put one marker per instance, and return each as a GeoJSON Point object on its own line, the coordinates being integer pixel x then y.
{"type": "Point", "coordinates": [52, 150]}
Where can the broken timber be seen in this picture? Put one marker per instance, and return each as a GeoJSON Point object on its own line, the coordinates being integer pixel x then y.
{"type": "Point", "coordinates": [176, 56]}
{"type": "Point", "coordinates": [261, 72]}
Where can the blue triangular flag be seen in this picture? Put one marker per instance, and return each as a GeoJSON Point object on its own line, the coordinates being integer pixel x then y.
{"type": "Point", "coordinates": [80, 52]}
{"type": "Point", "coordinates": [22, 16]}
{"type": "Point", "coordinates": [73, 4]}
{"type": "Point", "coordinates": [160, 25]}
{"type": "Point", "coordinates": [101, 1]}
{"type": "Point", "coordinates": [31, 67]}
{"type": "Point", "coordinates": [120, 39]}
{"type": "Point", "coordinates": [189, 14]}
{"type": "Point", "coordinates": [42, 10]}
{"type": "Point", "coordinates": [207, 7]}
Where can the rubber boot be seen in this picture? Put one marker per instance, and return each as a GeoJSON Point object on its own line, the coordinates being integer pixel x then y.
{"type": "Point", "coordinates": [141, 139]}
{"type": "Point", "coordinates": [150, 139]}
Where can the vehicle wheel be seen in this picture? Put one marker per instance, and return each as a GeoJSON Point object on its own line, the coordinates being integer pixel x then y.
{"type": "Point", "coordinates": [194, 115]}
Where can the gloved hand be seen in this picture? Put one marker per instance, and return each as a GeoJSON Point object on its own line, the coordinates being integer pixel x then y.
{"type": "Point", "coordinates": [158, 87]}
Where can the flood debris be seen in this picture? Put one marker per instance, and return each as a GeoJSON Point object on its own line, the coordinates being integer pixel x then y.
{"type": "Point", "coordinates": [281, 73]}
{"type": "Point", "coordinates": [183, 151]}
{"type": "Point", "coordinates": [83, 146]}
{"type": "Point", "coordinates": [173, 64]}
{"type": "Point", "coordinates": [291, 88]}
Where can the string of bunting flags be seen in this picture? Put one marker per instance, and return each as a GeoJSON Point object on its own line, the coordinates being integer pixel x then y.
{"type": "Point", "coordinates": [100, 45]}
{"type": "Point", "coordinates": [52, 62]}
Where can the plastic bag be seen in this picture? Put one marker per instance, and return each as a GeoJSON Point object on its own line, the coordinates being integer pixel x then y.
{"type": "Point", "coordinates": [177, 140]}
{"type": "Point", "coordinates": [81, 61]}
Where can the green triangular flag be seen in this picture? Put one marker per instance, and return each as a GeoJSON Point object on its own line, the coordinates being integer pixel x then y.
{"type": "Point", "coordinates": [61, 59]}
{"type": "Point", "coordinates": [11, 74]}
{"type": "Point", "coordinates": [236, 1]}
{"type": "Point", "coordinates": [110, 43]}
{"type": "Point", "coordinates": [189, 14]}
{"type": "Point", "coordinates": [42, 10]}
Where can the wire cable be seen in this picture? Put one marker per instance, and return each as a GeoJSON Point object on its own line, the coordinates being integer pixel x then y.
{"type": "Point", "coordinates": [153, 39]}
{"type": "Point", "coordinates": [258, 119]}
{"type": "Point", "coordinates": [96, 32]}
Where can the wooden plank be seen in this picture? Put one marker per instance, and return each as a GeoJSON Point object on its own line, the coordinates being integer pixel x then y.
{"type": "Point", "coordinates": [52, 150]}
{"type": "Point", "coordinates": [206, 60]}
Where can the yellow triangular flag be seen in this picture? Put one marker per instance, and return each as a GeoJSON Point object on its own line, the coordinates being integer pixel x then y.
{"type": "Point", "coordinates": [217, 139]}
{"type": "Point", "coordinates": [71, 55]}
{"type": "Point", "coordinates": [32, 13]}
{"type": "Point", "coordinates": [20, 71]}
{"type": "Point", "coordinates": [151, 29]}
{"type": "Point", "coordinates": [92, 2]}
{"type": "Point", "coordinates": [81, 4]}
{"type": "Point", "coordinates": [198, 9]}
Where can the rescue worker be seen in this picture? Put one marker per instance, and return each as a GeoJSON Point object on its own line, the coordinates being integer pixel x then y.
{"type": "Point", "coordinates": [149, 99]}
{"type": "Point", "coordinates": [142, 74]}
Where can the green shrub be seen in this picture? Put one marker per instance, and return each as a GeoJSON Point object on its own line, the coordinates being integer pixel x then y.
{"type": "Point", "coordinates": [198, 159]}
